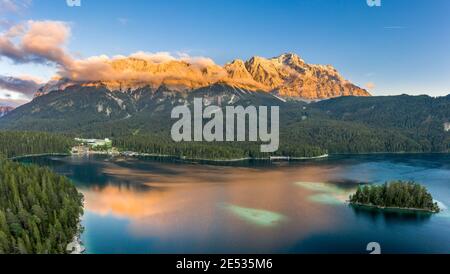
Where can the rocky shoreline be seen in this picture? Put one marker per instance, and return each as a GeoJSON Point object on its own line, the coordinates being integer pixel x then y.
{"type": "Point", "coordinates": [393, 208]}
{"type": "Point", "coordinates": [76, 247]}
{"type": "Point", "coordinates": [140, 154]}
{"type": "Point", "coordinates": [271, 158]}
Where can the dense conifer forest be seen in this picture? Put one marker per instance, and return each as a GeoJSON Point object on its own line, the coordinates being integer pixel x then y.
{"type": "Point", "coordinates": [39, 210]}
{"type": "Point", "coordinates": [15, 143]}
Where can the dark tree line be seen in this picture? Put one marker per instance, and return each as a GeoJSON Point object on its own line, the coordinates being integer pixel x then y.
{"type": "Point", "coordinates": [395, 194]}
{"type": "Point", "coordinates": [15, 143]}
{"type": "Point", "coordinates": [163, 145]}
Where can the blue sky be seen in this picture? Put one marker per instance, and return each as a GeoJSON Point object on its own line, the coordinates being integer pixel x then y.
{"type": "Point", "coordinates": [400, 47]}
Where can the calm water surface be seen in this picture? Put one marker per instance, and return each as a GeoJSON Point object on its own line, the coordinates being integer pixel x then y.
{"type": "Point", "coordinates": [151, 206]}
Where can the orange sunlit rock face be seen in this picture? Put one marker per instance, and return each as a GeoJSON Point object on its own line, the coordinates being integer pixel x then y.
{"type": "Point", "coordinates": [288, 75]}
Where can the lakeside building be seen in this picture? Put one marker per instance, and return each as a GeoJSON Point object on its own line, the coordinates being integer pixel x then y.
{"type": "Point", "coordinates": [89, 146]}
{"type": "Point", "coordinates": [94, 143]}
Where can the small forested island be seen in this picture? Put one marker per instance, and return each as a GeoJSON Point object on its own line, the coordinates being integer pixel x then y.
{"type": "Point", "coordinates": [395, 195]}
{"type": "Point", "coordinates": [39, 210]}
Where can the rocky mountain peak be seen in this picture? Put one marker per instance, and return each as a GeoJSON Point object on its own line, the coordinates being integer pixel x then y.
{"type": "Point", "coordinates": [290, 59]}
{"type": "Point", "coordinates": [237, 70]}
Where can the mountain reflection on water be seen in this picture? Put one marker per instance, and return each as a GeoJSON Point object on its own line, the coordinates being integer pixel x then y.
{"type": "Point", "coordinates": [162, 206]}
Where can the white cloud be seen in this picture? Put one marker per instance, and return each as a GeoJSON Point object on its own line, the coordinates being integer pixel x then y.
{"type": "Point", "coordinates": [12, 98]}
{"type": "Point", "coordinates": [122, 20]}
{"type": "Point", "coordinates": [26, 85]}
{"type": "Point", "coordinates": [14, 6]}
{"type": "Point", "coordinates": [370, 85]}
{"type": "Point", "coordinates": [158, 57]}
{"type": "Point", "coordinates": [44, 43]}
{"type": "Point", "coordinates": [394, 27]}
{"type": "Point", "coordinates": [36, 41]}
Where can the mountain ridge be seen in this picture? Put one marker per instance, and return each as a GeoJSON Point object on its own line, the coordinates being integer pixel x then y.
{"type": "Point", "coordinates": [286, 75]}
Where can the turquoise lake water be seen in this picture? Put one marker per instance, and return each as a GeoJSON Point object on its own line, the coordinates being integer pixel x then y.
{"type": "Point", "coordinates": [164, 206]}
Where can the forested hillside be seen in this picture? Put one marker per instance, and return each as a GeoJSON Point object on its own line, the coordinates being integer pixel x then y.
{"type": "Point", "coordinates": [419, 120]}
{"type": "Point", "coordinates": [39, 210]}
{"type": "Point", "coordinates": [140, 121]}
